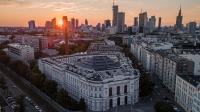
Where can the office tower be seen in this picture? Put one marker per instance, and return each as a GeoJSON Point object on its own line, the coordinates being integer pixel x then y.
{"type": "Point", "coordinates": [192, 27]}
{"type": "Point", "coordinates": [48, 25]}
{"type": "Point", "coordinates": [98, 26]}
{"type": "Point", "coordinates": [103, 27]}
{"type": "Point", "coordinates": [66, 32]}
{"type": "Point", "coordinates": [159, 22]}
{"type": "Point", "coordinates": [86, 22]}
{"type": "Point", "coordinates": [77, 23]}
{"type": "Point", "coordinates": [135, 21]}
{"type": "Point", "coordinates": [31, 24]}
{"type": "Point", "coordinates": [179, 20]}
{"type": "Point", "coordinates": [153, 21]}
{"type": "Point", "coordinates": [120, 22]}
{"type": "Point", "coordinates": [107, 23]}
{"type": "Point", "coordinates": [73, 24]}
{"type": "Point", "coordinates": [115, 12]}
{"type": "Point", "coordinates": [53, 22]}
{"type": "Point", "coordinates": [142, 21]}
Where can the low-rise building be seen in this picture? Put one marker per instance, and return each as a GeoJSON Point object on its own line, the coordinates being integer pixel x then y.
{"type": "Point", "coordinates": [104, 81]}
{"type": "Point", "coordinates": [20, 52]}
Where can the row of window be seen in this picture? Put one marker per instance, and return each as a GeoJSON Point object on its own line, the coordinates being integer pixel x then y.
{"type": "Point", "coordinates": [118, 90]}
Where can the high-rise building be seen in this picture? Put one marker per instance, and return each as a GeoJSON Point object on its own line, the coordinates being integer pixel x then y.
{"type": "Point", "coordinates": [179, 20]}
{"type": "Point", "coordinates": [192, 27]}
{"type": "Point", "coordinates": [77, 23]}
{"type": "Point", "coordinates": [143, 19]}
{"type": "Point", "coordinates": [73, 23]}
{"type": "Point", "coordinates": [98, 26]}
{"type": "Point", "coordinates": [66, 32]}
{"type": "Point", "coordinates": [86, 22]}
{"type": "Point", "coordinates": [48, 25]}
{"type": "Point", "coordinates": [31, 24]}
{"type": "Point", "coordinates": [103, 27]}
{"type": "Point", "coordinates": [115, 13]}
{"type": "Point", "coordinates": [120, 22]}
{"type": "Point", "coordinates": [107, 23]}
{"type": "Point", "coordinates": [153, 21]}
{"type": "Point", "coordinates": [53, 22]}
{"type": "Point", "coordinates": [135, 21]}
{"type": "Point", "coordinates": [159, 22]}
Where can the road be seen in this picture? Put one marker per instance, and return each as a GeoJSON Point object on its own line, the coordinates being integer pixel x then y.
{"type": "Point", "coordinates": [42, 102]}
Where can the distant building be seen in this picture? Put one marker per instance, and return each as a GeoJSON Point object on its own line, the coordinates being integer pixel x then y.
{"type": "Point", "coordinates": [86, 22]}
{"type": "Point", "coordinates": [54, 24]}
{"type": "Point", "coordinates": [143, 19]}
{"type": "Point", "coordinates": [31, 24]}
{"type": "Point", "coordinates": [192, 27]}
{"type": "Point", "coordinates": [107, 23]}
{"type": "Point", "coordinates": [159, 22]}
{"type": "Point", "coordinates": [77, 23]}
{"type": "Point", "coordinates": [48, 25]}
{"type": "Point", "coordinates": [104, 81]}
{"type": "Point", "coordinates": [115, 15]}
{"type": "Point", "coordinates": [73, 24]}
{"type": "Point", "coordinates": [120, 22]}
{"type": "Point", "coordinates": [179, 20]}
{"type": "Point", "coordinates": [21, 52]}
{"type": "Point", "coordinates": [135, 21]}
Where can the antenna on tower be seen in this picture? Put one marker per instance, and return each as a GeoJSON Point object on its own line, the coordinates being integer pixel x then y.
{"type": "Point", "coordinates": [113, 2]}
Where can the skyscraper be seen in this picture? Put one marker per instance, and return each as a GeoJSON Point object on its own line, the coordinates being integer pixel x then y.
{"type": "Point", "coordinates": [107, 23]}
{"type": "Point", "coordinates": [115, 12]}
{"type": "Point", "coordinates": [135, 21]}
{"type": "Point", "coordinates": [86, 22]}
{"type": "Point", "coordinates": [153, 21]}
{"type": "Point", "coordinates": [77, 23]}
{"type": "Point", "coordinates": [159, 22]}
{"type": "Point", "coordinates": [192, 27]}
{"type": "Point", "coordinates": [53, 22]}
{"type": "Point", "coordinates": [179, 20]}
{"type": "Point", "coordinates": [66, 32]}
{"type": "Point", "coordinates": [73, 24]}
{"type": "Point", "coordinates": [48, 25]}
{"type": "Point", "coordinates": [120, 22]}
{"type": "Point", "coordinates": [143, 19]}
{"type": "Point", "coordinates": [31, 24]}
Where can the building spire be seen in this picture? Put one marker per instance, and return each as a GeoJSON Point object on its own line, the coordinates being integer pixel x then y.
{"type": "Point", "coordinates": [180, 10]}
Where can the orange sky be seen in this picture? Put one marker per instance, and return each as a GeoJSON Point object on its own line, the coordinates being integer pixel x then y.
{"type": "Point", "coordinates": [19, 12]}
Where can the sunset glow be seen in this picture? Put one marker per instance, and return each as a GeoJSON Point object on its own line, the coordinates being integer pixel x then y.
{"type": "Point", "coordinates": [60, 23]}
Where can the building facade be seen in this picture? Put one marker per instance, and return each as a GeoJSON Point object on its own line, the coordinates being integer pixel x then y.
{"type": "Point", "coordinates": [104, 81]}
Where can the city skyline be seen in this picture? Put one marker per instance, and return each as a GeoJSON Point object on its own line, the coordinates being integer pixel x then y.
{"type": "Point", "coordinates": [43, 10]}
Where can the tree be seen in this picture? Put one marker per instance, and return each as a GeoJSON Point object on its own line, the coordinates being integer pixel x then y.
{"type": "Point", "coordinates": [146, 86]}
{"type": "Point", "coordinates": [62, 97]}
{"type": "Point", "coordinates": [37, 79]}
{"type": "Point", "coordinates": [19, 67]}
{"type": "Point", "coordinates": [163, 107]}
{"type": "Point", "coordinates": [3, 83]}
{"type": "Point", "coordinates": [82, 104]}
{"type": "Point", "coordinates": [4, 59]}
{"type": "Point", "coordinates": [50, 88]}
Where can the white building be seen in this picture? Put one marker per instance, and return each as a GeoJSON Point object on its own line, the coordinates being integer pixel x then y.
{"type": "Point", "coordinates": [104, 81]}
{"type": "Point", "coordinates": [37, 42]}
{"type": "Point", "coordinates": [186, 92]}
{"type": "Point", "coordinates": [20, 52]}
{"type": "Point", "coordinates": [196, 59]}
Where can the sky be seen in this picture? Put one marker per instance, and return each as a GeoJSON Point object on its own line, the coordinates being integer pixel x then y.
{"type": "Point", "coordinates": [19, 12]}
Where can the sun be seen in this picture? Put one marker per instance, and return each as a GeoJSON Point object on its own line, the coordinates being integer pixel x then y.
{"type": "Point", "coordinates": [60, 22]}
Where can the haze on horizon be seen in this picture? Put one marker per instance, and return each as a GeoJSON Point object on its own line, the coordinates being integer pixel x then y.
{"type": "Point", "coordinates": [19, 12]}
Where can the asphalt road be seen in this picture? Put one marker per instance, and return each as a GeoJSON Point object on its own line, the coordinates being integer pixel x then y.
{"type": "Point", "coordinates": [45, 105]}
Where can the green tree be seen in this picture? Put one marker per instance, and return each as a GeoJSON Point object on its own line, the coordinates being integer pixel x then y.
{"type": "Point", "coordinates": [146, 86]}
{"type": "Point", "coordinates": [19, 67]}
{"type": "Point", "coordinates": [50, 88]}
{"type": "Point", "coordinates": [4, 59]}
{"type": "Point", "coordinates": [163, 107]}
{"type": "Point", "coordinates": [3, 83]}
{"type": "Point", "coordinates": [82, 104]}
{"type": "Point", "coordinates": [62, 97]}
{"type": "Point", "coordinates": [37, 79]}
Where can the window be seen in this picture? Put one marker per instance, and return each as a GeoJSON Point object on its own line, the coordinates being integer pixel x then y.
{"type": "Point", "coordinates": [125, 100]}
{"type": "Point", "coordinates": [110, 91]}
{"type": "Point", "coordinates": [118, 101]}
{"type": "Point", "coordinates": [125, 89]}
{"type": "Point", "coordinates": [111, 103]}
{"type": "Point", "coordinates": [118, 90]}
